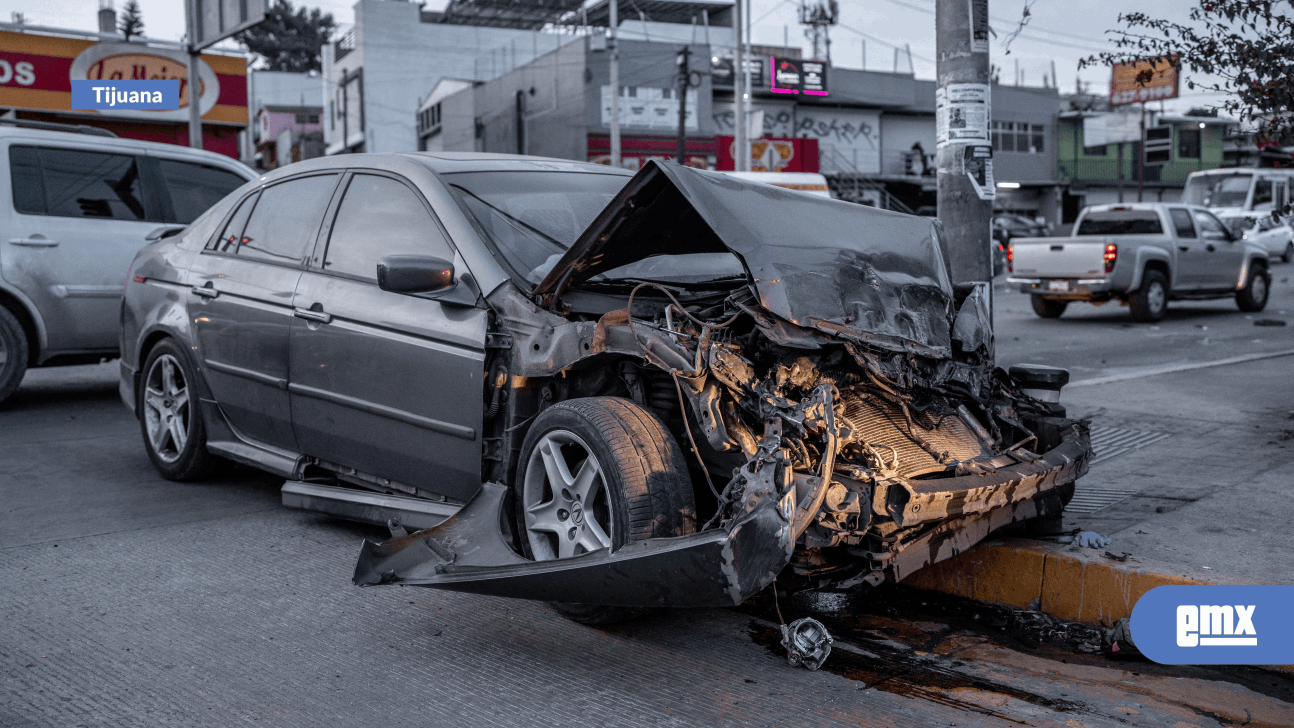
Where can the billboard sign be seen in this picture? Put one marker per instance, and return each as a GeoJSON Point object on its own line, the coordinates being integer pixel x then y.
{"type": "Point", "coordinates": [219, 19]}
{"type": "Point", "coordinates": [794, 76]}
{"type": "Point", "coordinates": [1105, 129]}
{"type": "Point", "coordinates": [43, 68]}
{"type": "Point", "coordinates": [770, 154]}
{"type": "Point", "coordinates": [1150, 79]}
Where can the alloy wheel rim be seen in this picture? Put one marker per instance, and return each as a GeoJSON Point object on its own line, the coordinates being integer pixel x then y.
{"type": "Point", "coordinates": [565, 499]}
{"type": "Point", "coordinates": [167, 414]}
{"type": "Point", "coordinates": [1258, 289]}
{"type": "Point", "coordinates": [1155, 297]}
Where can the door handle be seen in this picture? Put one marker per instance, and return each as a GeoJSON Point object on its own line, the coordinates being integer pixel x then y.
{"type": "Point", "coordinates": [1210, 247]}
{"type": "Point", "coordinates": [34, 242]}
{"type": "Point", "coordinates": [308, 315]}
{"type": "Point", "coordinates": [1184, 248]}
{"type": "Point", "coordinates": [206, 291]}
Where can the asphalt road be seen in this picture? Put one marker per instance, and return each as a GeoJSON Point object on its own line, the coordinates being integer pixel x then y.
{"type": "Point", "coordinates": [129, 600]}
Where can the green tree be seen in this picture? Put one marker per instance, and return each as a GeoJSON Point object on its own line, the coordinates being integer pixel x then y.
{"type": "Point", "coordinates": [290, 38]}
{"type": "Point", "coordinates": [132, 20]}
{"type": "Point", "coordinates": [1246, 45]}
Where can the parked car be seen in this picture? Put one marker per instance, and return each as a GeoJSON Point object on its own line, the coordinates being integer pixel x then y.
{"type": "Point", "coordinates": [1142, 255]}
{"type": "Point", "coordinates": [1008, 226]}
{"type": "Point", "coordinates": [1270, 232]}
{"type": "Point", "coordinates": [77, 209]}
{"type": "Point", "coordinates": [627, 392]}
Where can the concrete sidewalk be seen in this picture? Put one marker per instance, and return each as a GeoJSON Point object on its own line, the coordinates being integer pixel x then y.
{"type": "Point", "coordinates": [1194, 479]}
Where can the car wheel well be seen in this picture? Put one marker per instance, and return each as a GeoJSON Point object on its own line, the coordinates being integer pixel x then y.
{"type": "Point", "coordinates": [28, 323]}
{"type": "Point", "coordinates": [1160, 266]}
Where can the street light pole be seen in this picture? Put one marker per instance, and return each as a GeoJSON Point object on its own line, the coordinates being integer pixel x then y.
{"type": "Point", "coordinates": [615, 85]}
{"type": "Point", "coordinates": [683, 83]}
{"type": "Point", "coordinates": [194, 79]}
{"type": "Point", "coordinates": [741, 159]}
{"type": "Point", "coordinates": [964, 154]}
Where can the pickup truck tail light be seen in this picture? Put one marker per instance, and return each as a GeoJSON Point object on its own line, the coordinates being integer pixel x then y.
{"type": "Point", "coordinates": [1010, 258]}
{"type": "Point", "coordinates": [1111, 255]}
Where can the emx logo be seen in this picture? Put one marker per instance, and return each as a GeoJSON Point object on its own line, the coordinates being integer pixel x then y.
{"type": "Point", "coordinates": [1222, 625]}
{"type": "Point", "coordinates": [1215, 625]}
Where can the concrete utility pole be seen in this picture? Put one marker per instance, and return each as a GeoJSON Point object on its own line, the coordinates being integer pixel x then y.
{"type": "Point", "coordinates": [194, 81]}
{"type": "Point", "coordinates": [683, 83]}
{"type": "Point", "coordinates": [740, 160]}
{"type": "Point", "coordinates": [964, 151]}
{"type": "Point", "coordinates": [615, 85]}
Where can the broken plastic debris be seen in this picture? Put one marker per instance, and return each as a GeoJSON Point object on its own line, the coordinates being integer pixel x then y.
{"type": "Point", "coordinates": [807, 643]}
{"type": "Point", "coordinates": [1091, 540]}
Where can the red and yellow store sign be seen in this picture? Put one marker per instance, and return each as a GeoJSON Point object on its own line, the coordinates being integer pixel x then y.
{"type": "Point", "coordinates": [36, 72]}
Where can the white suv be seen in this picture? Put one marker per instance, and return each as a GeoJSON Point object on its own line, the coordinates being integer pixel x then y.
{"type": "Point", "coordinates": [74, 210]}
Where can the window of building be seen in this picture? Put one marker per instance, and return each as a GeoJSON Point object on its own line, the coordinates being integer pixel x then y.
{"type": "Point", "coordinates": [1018, 136]}
{"type": "Point", "coordinates": [380, 216]}
{"type": "Point", "coordinates": [1188, 143]}
{"type": "Point", "coordinates": [1097, 151]}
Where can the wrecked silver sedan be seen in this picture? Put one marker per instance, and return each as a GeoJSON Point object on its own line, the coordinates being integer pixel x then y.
{"type": "Point", "coordinates": [682, 385]}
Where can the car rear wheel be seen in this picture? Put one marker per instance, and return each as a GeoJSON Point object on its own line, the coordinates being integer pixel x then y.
{"type": "Point", "coordinates": [13, 354]}
{"type": "Point", "coordinates": [1253, 297]}
{"type": "Point", "coordinates": [1150, 302]}
{"type": "Point", "coordinates": [174, 434]}
{"type": "Point", "coordinates": [599, 473]}
{"type": "Point", "coordinates": [1048, 308]}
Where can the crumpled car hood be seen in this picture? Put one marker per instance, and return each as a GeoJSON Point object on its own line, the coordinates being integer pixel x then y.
{"type": "Point", "coordinates": [854, 271]}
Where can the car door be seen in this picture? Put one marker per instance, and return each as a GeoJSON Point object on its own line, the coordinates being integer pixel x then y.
{"type": "Point", "coordinates": [240, 302]}
{"type": "Point", "coordinates": [80, 217]}
{"type": "Point", "coordinates": [1223, 253]}
{"type": "Point", "coordinates": [1192, 259]}
{"type": "Point", "coordinates": [385, 383]}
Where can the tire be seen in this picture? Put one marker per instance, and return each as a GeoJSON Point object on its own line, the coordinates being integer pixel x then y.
{"type": "Point", "coordinates": [637, 487]}
{"type": "Point", "coordinates": [175, 436]}
{"type": "Point", "coordinates": [1253, 297]}
{"type": "Point", "coordinates": [13, 354]}
{"type": "Point", "coordinates": [1288, 253]}
{"type": "Point", "coordinates": [1048, 308]}
{"type": "Point", "coordinates": [1150, 302]}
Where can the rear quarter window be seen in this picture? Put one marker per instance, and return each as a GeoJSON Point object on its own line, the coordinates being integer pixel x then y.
{"type": "Point", "coordinates": [1121, 222]}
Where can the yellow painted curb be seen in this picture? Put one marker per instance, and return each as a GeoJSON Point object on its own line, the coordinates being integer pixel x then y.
{"type": "Point", "coordinates": [1064, 581]}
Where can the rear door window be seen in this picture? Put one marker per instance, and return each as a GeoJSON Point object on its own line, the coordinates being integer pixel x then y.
{"type": "Point", "coordinates": [1182, 222]}
{"type": "Point", "coordinates": [285, 220]}
{"type": "Point", "coordinates": [195, 187]}
{"type": "Point", "coordinates": [381, 216]}
{"type": "Point", "coordinates": [1121, 222]}
{"type": "Point", "coordinates": [92, 184]}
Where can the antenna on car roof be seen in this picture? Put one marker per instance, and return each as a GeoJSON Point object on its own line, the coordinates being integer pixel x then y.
{"type": "Point", "coordinates": [55, 126]}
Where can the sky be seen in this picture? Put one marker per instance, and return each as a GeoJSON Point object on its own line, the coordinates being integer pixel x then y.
{"type": "Point", "coordinates": [1059, 32]}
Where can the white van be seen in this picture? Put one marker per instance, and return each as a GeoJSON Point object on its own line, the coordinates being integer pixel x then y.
{"type": "Point", "coordinates": [1250, 200]}
{"type": "Point", "coordinates": [75, 207]}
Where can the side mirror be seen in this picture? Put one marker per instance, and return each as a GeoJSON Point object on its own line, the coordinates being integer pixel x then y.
{"type": "Point", "coordinates": [410, 274]}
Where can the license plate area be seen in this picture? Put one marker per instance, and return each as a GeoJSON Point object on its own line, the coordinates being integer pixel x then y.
{"type": "Point", "coordinates": [1058, 286]}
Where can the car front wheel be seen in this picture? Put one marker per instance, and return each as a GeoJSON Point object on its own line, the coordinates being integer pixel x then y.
{"type": "Point", "coordinates": [174, 434]}
{"type": "Point", "coordinates": [1253, 297]}
{"type": "Point", "coordinates": [598, 473]}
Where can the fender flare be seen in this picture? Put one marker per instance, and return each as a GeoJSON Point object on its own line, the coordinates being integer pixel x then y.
{"type": "Point", "coordinates": [42, 334]}
{"type": "Point", "coordinates": [1145, 254]}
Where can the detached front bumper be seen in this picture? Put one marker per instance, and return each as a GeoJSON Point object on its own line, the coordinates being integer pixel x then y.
{"type": "Point", "coordinates": [936, 519]}
{"type": "Point", "coordinates": [718, 568]}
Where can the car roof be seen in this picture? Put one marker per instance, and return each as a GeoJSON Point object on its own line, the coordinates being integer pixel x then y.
{"type": "Point", "coordinates": [451, 162]}
{"type": "Point", "coordinates": [1108, 207]}
{"type": "Point", "coordinates": [117, 144]}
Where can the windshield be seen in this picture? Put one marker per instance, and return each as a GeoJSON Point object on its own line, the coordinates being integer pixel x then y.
{"type": "Point", "coordinates": [531, 218]}
{"type": "Point", "coordinates": [1217, 190]}
{"type": "Point", "coordinates": [1121, 222]}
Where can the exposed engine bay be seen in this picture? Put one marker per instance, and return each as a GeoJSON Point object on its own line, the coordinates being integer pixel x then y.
{"type": "Point", "coordinates": [838, 404]}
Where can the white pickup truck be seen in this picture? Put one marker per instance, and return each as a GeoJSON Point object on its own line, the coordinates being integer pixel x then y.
{"type": "Point", "coordinates": [1142, 255]}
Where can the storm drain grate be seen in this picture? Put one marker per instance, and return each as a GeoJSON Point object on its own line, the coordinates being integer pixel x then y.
{"type": "Point", "coordinates": [1108, 442]}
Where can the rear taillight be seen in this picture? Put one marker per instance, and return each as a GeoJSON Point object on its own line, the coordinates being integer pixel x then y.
{"type": "Point", "coordinates": [1111, 255]}
{"type": "Point", "coordinates": [1010, 258]}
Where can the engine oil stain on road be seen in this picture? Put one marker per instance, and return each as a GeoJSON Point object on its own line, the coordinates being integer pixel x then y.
{"type": "Point", "coordinates": [1016, 666]}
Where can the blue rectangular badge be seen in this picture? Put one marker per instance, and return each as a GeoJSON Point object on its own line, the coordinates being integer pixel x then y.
{"type": "Point", "coordinates": [126, 95]}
